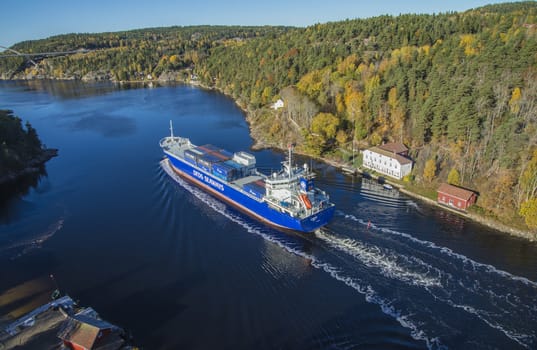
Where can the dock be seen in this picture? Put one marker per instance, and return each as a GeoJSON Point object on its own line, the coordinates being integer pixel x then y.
{"type": "Point", "coordinates": [61, 323]}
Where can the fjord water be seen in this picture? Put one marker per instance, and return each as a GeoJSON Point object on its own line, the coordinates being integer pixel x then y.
{"type": "Point", "coordinates": [180, 269]}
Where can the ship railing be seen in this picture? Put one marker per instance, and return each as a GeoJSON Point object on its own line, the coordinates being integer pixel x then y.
{"type": "Point", "coordinates": [169, 141]}
{"type": "Point", "coordinates": [276, 205]}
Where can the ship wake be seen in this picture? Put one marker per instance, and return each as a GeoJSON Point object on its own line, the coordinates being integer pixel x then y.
{"type": "Point", "coordinates": [352, 280]}
{"type": "Point", "coordinates": [412, 280]}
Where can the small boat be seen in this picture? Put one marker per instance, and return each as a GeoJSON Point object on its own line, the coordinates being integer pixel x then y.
{"type": "Point", "coordinates": [387, 187]}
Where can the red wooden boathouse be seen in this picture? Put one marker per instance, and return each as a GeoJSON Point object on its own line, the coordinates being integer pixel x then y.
{"type": "Point", "coordinates": [456, 197]}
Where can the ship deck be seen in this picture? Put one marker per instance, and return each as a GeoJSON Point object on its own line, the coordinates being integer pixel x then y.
{"type": "Point", "coordinates": [244, 180]}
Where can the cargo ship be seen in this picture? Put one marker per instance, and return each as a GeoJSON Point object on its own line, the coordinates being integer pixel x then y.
{"type": "Point", "coordinates": [286, 199]}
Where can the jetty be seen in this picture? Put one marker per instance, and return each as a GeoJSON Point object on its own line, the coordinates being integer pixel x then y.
{"type": "Point", "coordinates": [62, 324]}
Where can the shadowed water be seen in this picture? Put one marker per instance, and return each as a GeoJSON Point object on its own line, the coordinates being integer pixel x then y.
{"type": "Point", "coordinates": [180, 269]}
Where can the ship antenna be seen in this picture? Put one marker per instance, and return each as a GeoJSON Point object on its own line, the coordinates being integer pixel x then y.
{"type": "Point", "coordinates": [171, 129]}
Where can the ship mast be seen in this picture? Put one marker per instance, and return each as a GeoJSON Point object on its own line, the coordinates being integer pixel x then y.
{"type": "Point", "coordinates": [290, 162]}
{"type": "Point", "coordinates": [171, 129]}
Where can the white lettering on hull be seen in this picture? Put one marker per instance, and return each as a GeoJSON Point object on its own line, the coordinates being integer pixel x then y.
{"type": "Point", "coordinates": [208, 180]}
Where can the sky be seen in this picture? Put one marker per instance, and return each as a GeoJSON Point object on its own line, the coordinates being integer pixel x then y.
{"type": "Point", "coordinates": [38, 19]}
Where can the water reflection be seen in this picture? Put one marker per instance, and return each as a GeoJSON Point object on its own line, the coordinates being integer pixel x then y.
{"type": "Point", "coordinates": [106, 125]}
{"type": "Point", "coordinates": [18, 240]}
{"type": "Point", "coordinates": [450, 221]}
{"type": "Point", "coordinates": [75, 89]}
{"type": "Point", "coordinates": [13, 190]}
{"type": "Point", "coordinates": [24, 297]}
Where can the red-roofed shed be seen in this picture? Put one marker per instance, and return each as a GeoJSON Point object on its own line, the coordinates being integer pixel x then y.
{"type": "Point", "coordinates": [82, 332]}
{"type": "Point", "coordinates": [456, 197]}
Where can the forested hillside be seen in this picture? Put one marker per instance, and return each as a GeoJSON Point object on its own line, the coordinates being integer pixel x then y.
{"type": "Point", "coordinates": [460, 89]}
{"type": "Point", "coordinates": [129, 55]}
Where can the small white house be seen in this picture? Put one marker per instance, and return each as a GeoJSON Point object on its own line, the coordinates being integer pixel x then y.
{"type": "Point", "coordinates": [278, 104]}
{"type": "Point", "coordinates": [389, 159]}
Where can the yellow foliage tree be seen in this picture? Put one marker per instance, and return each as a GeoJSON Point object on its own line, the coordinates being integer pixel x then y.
{"type": "Point", "coordinates": [371, 84]}
{"type": "Point", "coordinates": [266, 95]}
{"type": "Point", "coordinates": [325, 124]}
{"type": "Point", "coordinates": [341, 137]}
{"type": "Point", "coordinates": [311, 84]}
{"type": "Point", "coordinates": [469, 43]}
{"type": "Point", "coordinates": [392, 98]}
{"type": "Point", "coordinates": [396, 113]}
{"type": "Point", "coordinates": [454, 178]}
{"type": "Point", "coordinates": [354, 101]}
{"type": "Point", "coordinates": [324, 127]}
{"type": "Point", "coordinates": [429, 172]}
{"type": "Point", "coordinates": [514, 102]}
{"type": "Point", "coordinates": [348, 64]}
{"type": "Point", "coordinates": [362, 70]}
{"type": "Point", "coordinates": [340, 103]}
{"type": "Point", "coordinates": [529, 211]}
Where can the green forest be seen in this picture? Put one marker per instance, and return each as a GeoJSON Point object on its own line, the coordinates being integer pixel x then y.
{"type": "Point", "coordinates": [459, 89]}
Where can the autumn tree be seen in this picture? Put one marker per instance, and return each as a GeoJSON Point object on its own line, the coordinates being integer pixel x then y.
{"type": "Point", "coordinates": [429, 172]}
{"type": "Point", "coordinates": [454, 178]}
{"type": "Point", "coordinates": [325, 125]}
{"type": "Point", "coordinates": [324, 129]}
{"type": "Point", "coordinates": [529, 211]}
{"type": "Point", "coordinates": [528, 179]}
{"type": "Point", "coordinates": [354, 100]}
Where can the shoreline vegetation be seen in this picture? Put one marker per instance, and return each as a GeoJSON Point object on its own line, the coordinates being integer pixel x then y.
{"type": "Point", "coordinates": [259, 144]}
{"type": "Point", "coordinates": [458, 89]}
{"type": "Point", "coordinates": [21, 151]}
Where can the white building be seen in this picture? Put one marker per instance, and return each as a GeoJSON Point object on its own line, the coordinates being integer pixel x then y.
{"type": "Point", "coordinates": [389, 159]}
{"type": "Point", "coordinates": [278, 104]}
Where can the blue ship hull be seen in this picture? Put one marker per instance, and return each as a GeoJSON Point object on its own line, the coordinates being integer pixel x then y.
{"type": "Point", "coordinates": [248, 204]}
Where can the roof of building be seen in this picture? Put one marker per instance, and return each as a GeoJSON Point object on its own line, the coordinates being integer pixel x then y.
{"type": "Point", "coordinates": [455, 191]}
{"type": "Point", "coordinates": [83, 330]}
{"type": "Point", "coordinates": [402, 160]}
{"type": "Point", "coordinates": [394, 147]}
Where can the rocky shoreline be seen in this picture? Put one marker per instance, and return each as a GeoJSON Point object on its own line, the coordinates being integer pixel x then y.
{"type": "Point", "coordinates": [32, 166]}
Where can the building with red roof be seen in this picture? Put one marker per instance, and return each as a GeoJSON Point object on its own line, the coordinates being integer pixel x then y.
{"type": "Point", "coordinates": [456, 197]}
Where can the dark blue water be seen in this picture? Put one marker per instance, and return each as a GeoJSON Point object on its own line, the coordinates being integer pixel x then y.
{"type": "Point", "coordinates": [180, 269]}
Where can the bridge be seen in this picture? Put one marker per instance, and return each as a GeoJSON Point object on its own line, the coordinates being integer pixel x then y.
{"type": "Point", "coordinates": [28, 56]}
